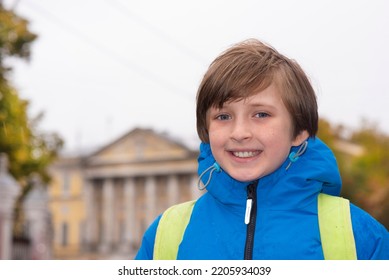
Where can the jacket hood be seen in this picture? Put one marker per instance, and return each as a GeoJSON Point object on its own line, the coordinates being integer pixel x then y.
{"type": "Point", "coordinates": [315, 171]}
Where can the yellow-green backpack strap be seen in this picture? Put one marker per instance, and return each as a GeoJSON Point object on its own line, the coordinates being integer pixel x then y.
{"type": "Point", "coordinates": [171, 230]}
{"type": "Point", "coordinates": [336, 231]}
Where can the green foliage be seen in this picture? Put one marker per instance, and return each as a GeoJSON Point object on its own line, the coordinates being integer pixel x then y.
{"type": "Point", "coordinates": [29, 150]}
{"type": "Point", "coordinates": [15, 38]}
{"type": "Point", "coordinates": [14, 130]}
{"type": "Point", "coordinates": [372, 169]}
{"type": "Point", "coordinates": [365, 175]}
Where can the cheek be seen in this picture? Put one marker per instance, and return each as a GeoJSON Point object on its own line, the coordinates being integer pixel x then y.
{"type": "Point", "coordinates": [215, 139]}
{"type": "Point", "coordinates": [276, 135]}
{"type": "Point", "coordinates": [284, 131]}
{"type": "Point", "coordinates": [216, 132]}
{"type": "Point", "coordinates": [279, 143]}
{"type": "Point", "coordinates": [217, 143]}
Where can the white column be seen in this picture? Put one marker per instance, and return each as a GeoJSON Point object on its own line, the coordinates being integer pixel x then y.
{"type": "Point", "coordinates": [37, 215]}
{"type": "Point", "coordinates": [9, 191]}
{"type": "Point", "coordinates": [173, 190]}
{"type": "Point", "coordinates": [5, 236]}
{"type": "Point", "coordinates": [129, 214]}
{"type": "Point", "coordinates": [108, 215]}
{"type": "Point", "coordinates": [196, 193]}
{"type": "Point", "coordinates": [90, 219]}
{"type": "Point", "coordinates": [150, 192]}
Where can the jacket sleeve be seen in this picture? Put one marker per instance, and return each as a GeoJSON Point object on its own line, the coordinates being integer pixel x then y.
{"type": "Point", "coordinates": [371, 237]}
{"type": "Point", "coordinates": [146, 249]}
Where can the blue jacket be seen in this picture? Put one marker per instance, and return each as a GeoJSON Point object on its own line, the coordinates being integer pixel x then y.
{"type": "Point", "coordinates": [286, 221]}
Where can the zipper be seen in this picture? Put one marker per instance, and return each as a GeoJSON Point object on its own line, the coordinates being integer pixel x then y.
{"type": "Point", "coordinates": [250, 219]}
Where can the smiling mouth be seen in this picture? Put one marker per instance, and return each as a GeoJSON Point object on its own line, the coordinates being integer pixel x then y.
{"type": "Point", "coordinates": [246, 154]}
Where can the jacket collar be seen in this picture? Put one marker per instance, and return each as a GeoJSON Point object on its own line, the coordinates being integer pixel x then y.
{"type": "Point", "coordinates": [286, 188]}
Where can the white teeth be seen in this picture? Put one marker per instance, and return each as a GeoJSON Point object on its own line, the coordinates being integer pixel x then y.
{"type": "Point", "coordinates": [245, 154]}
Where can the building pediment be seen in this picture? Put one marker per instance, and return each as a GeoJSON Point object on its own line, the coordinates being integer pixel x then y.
{"type": "Point", "coordinates": [139, 146]}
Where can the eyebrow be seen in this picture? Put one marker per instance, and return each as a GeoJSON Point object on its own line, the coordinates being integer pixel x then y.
{"type": "Point", "coordinates": [254, 105]}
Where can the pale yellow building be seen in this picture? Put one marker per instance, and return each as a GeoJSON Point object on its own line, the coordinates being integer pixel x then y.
{"type": "Point", "coordinates": [101, 204]}
{"type": "Point", "coordinates": [67, 208]}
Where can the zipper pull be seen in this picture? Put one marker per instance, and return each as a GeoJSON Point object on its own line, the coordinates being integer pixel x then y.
{"type": "Point", "coordinates": [249, 204]}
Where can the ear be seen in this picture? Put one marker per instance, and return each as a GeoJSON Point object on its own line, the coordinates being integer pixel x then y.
{"type": "Point", "coordinates": [300, 138]}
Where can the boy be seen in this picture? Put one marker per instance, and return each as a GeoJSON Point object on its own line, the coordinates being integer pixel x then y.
{"type": "Point", "coordinates": [263, 170]}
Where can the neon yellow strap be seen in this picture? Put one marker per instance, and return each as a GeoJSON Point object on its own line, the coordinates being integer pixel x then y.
{"type": "Point", "coordinates": [336, 231]}
{"type": "Point", "coordinates": [171, 230]}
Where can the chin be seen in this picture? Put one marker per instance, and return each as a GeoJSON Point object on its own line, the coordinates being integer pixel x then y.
{"type": "Point", "coordinates": [248, 178]}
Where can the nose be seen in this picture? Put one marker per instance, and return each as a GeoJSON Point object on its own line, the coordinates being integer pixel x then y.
{"type": "Point", "coordinates": [241, 131]}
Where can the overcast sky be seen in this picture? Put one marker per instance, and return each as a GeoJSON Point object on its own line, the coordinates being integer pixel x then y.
{"type": "Point", "coordinates": [103, 67]}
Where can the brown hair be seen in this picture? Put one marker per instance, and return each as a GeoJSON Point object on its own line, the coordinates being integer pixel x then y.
{"type": "Point", "coordinates": [249, 67]}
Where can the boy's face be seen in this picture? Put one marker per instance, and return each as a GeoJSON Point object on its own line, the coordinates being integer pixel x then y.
{"type": "Point", "coordinates": [251, 138]}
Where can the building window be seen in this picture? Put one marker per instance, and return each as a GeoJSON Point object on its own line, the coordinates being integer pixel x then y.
{"type": "Point", "coordinates": [66, 183]}
{"type": "Point", "coordinates": [82, 234]}
{"type": "Point", "coordinates": [64, 210]}
{"type": "Point", "coordinates": [65, 234]}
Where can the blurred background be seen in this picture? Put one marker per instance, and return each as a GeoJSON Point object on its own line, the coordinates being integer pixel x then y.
{"type": "Point", "coordinates": [97, 109]}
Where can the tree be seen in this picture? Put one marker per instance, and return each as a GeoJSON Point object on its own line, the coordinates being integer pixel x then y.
{"type": "Point", "coordinates": [30, 150]}
{"type": "Point", "coordinates": [15, 38]}
{"type": "Point", "coordinates": [370, 171]}
{"type": "Point", "coordinates": [365, 175]}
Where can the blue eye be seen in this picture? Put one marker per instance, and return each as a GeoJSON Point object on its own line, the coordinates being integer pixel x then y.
{"type": "Point", "coordinates": [223, 117]}
{"type": "Point", "coordinates": [262, 115]}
